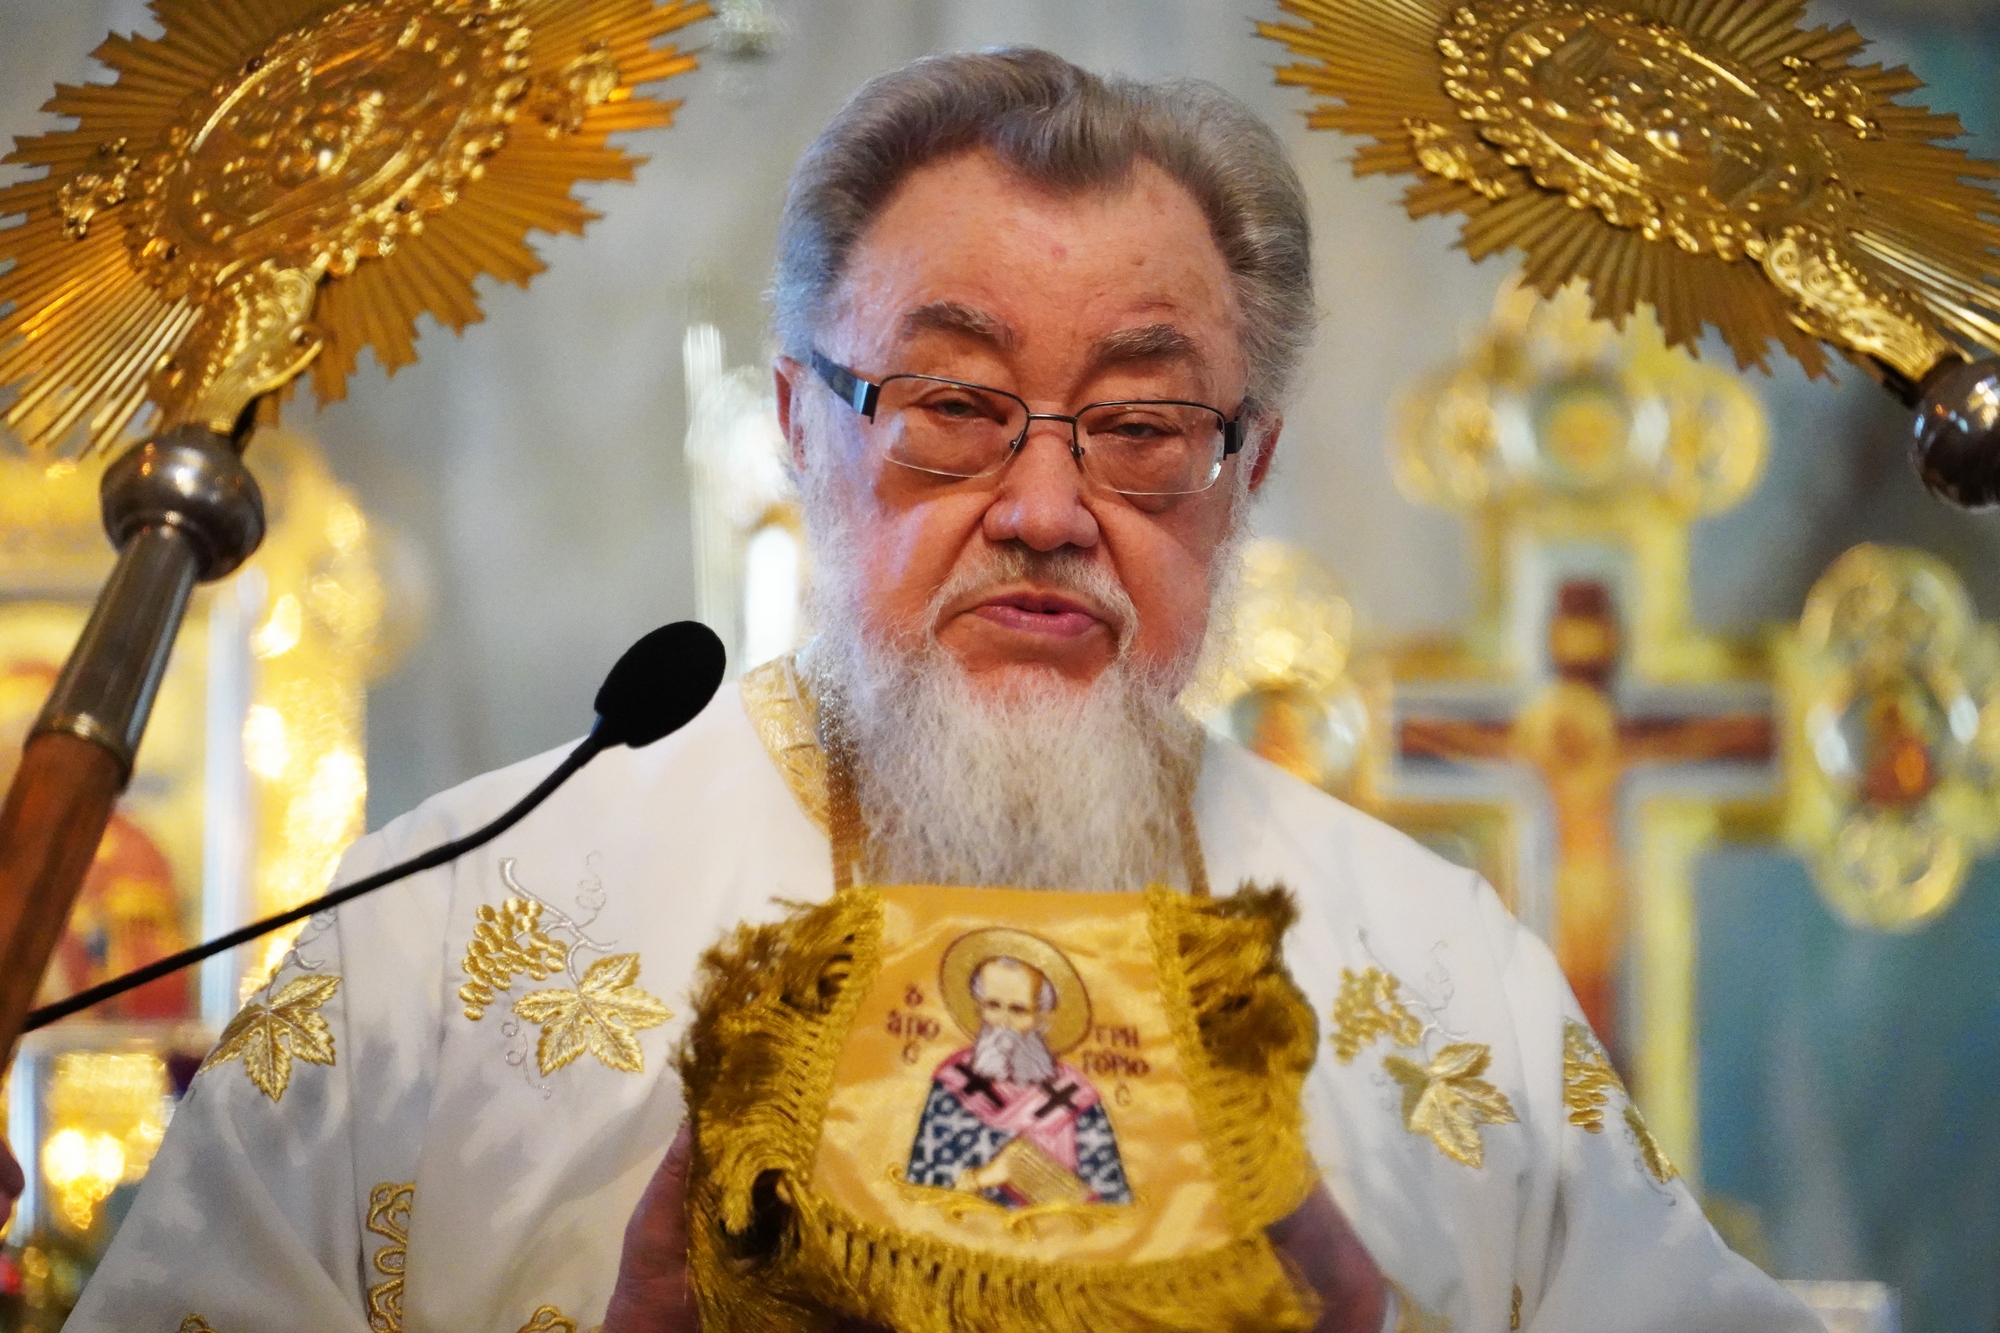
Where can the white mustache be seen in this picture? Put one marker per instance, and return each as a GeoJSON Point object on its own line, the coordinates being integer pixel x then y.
{"type": "Point", "coordinates": [1065, 570]}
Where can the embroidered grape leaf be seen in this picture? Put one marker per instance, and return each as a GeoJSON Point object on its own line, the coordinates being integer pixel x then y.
{"type": "Point", "coordinates": [507, 941]}
{"type": "Point", "coordinates": [1367, 1009]}
{"type": "Point", "coordinates": [603, 1016]}
{"type": "Point", "coordinates": [266, 1037]}
{"type": "Point", "coordinates": [1448, 1101]}
{"type": "Point", "coordinates": [1658, 1164]}
{"type": "Point", "coordinates": [1588, 1079]}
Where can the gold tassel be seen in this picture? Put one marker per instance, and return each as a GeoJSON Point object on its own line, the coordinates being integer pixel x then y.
{"type": "Point", "coordinates": [773, 1006]}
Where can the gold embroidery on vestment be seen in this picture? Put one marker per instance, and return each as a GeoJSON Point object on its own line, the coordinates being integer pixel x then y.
{"type": "Point", "coordinates": [1413, 1318]}
{"type": "Point", "coordinates": [507, 941]}
{"type": "Point", "coordinates": [603, 1016]}
{"type": "Point", "coordinates": [267, 1036]}
{"type": "Point", "coordinates": [389, 1207]}
{"type": "Point", "coordinates": [1514, 1311]}
{"type": "Point", "coordinates": [1448, 1101]}
{"type": "Point", "coordinates": [1588, 1082]}
{"type": "Point", "coordinates": [783, 720]}
{"type": "Point", "coordinates": [1588, 1079]}
{"type": "Point", "coordinates": [1445, 1100]}
{"type": "Point", "coordinates": [1368, 1009]}
{"type": "Point", "coordinates": [1658, 1164]}
{"type": "Point", "coordinates": [548, 1319]}
{"type": "Point", "coordinates": [194, 1323]}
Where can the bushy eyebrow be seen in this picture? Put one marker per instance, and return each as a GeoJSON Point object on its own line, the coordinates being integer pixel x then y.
{"type": "Point", "coordinates": [965, 320]}
{"type": "Point", "coordinates": [1148, 342]}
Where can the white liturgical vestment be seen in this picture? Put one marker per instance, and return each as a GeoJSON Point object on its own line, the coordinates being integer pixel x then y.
{"type": "Point", "coordinates": [444, 1108]}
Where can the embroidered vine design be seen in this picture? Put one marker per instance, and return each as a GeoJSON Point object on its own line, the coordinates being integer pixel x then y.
{"type": "Point", "coordinates": [1588, 1082]}
{"type": "Point", "coordinates": [282, 1023]}
{"type": "Point", "coordinates": [548, 1319]}
{"type": "Point", "coordinates": [507, 941]}
{"type": "Point", "coordinates": [389, 1207]}
{"type": "Point", "coordinates": [1444, 1098]}
{"type": "Point", "coordinates": [602, 1010]}
{"type": "Point", "coordinates": [603, 1016]}
{"type": "Point", "coordinates": [1368, 1009]}
{"type": "Point", "coordinates": [1588, 1079]}
{"type": "Point", "coordinates": [1448, 1101]}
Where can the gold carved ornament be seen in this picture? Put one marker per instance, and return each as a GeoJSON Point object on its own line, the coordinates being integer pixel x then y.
{"type": "Point", "coordinates": [1712, 159]}
{"type": "Point", "coordinates": [273, 185]}
{"type": "Point", "coordinates": [1890, 688]}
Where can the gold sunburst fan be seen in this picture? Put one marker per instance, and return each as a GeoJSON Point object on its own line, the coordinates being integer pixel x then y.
{"type": "Point", "coordinates": [1713, 159]}
{"type": "Point", "coordinates": [276, 183]}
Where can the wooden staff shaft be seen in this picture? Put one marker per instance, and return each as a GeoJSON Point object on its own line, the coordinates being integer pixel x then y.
{"type": "Point", "coordinates": [182, 509]}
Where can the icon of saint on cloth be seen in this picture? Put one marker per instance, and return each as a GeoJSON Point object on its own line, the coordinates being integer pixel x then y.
{"type": "Point", "coordinates": [1006, 1119]}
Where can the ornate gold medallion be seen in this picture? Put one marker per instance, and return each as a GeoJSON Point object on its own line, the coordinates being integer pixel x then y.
{"type": "Point", "coordinates": [274, 184]}
{"type": "Point", "coordinates": [1714, 160]}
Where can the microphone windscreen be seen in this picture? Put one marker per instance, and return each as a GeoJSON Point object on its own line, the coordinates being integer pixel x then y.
{"type": "Point", "coordinates": [659, 685]}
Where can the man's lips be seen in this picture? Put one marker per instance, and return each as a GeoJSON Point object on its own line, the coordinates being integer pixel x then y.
{"type": "Point", "coordinates": [1047, 614]}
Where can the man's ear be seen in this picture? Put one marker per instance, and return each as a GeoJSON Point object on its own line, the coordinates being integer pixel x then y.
{"type": "Point", "coordinates": [1264, 432]}
{"type": "Point", "coordinates": [788, 378]}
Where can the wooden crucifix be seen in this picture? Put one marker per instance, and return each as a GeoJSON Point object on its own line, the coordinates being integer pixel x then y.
{"type": "Point", "coordinates": [1572, 734]}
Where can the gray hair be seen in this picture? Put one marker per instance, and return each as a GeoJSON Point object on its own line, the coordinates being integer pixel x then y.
{"type": "Point", "coordinates": [1045, 998]}
{"type": "Point", "coordinates": [1067, 130]}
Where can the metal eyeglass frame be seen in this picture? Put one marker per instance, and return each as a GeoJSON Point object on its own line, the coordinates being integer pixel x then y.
{"type": "Point", "coordinates": [863, 396]}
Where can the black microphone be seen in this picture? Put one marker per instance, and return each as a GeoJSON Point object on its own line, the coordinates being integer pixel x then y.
{"type": "Point", "coordinates": [655, 689]}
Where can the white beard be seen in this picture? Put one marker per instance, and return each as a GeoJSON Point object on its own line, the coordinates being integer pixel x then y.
{"type": "Point", "coordinates": [1049, 785]}
{"type": "Point", "coordinates": [1007, 1056]}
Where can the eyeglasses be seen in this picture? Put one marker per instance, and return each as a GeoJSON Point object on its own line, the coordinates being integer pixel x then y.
{"type": "Point", "coordinates": [952, 429]}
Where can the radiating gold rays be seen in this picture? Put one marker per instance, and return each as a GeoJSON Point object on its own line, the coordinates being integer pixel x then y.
{"type": "Point", "coordinates": [1664, 150]}
{"type": "Point", "coordinates": [401, 148]}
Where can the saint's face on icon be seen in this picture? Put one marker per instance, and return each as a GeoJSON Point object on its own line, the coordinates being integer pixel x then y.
{"type": "Point", "coordinates": [1006, 1119]}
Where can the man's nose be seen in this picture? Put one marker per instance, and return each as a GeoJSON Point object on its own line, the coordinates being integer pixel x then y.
{"type": "Point", "coordinates": [1040, 499]}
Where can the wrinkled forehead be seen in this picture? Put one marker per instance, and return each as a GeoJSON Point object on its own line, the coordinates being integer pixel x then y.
{"type": "Point", "coordinates": [970, 259]}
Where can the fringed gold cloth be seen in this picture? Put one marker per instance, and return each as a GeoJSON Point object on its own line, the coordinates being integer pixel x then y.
{"type": "Point", "coordinates": [861, 1152]}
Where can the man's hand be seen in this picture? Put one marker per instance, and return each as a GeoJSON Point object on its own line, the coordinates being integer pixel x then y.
{"type": "Point", "coordinates": [652, 1293]}
{"type": "Point", "coordinates": [1332, 1259]}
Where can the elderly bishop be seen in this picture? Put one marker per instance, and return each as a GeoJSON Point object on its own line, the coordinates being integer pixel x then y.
{"type": "Point", "coordinates": [1038, 332]}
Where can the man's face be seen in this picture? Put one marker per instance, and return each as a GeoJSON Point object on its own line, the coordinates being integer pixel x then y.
{"type": "Point", "coordinates": [971, 274]}
{"type": "Point", "coordinates": [1012, 996]}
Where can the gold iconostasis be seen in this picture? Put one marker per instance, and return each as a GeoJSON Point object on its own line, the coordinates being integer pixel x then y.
{"type": "Point", "coordinates": [250, 783]}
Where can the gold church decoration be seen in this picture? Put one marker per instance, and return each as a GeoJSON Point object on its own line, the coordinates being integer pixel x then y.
{"type": "Point", "coordinates": [1891, 687]}
{"type": "Point", "coordinates": [1711, 159]}
{"type": "Point", "coordinates": [267, 1034]}
{"type": "Point", "coordinates": [276, 184]}
{"type": "Point", "coordinates": [107, 1114]}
